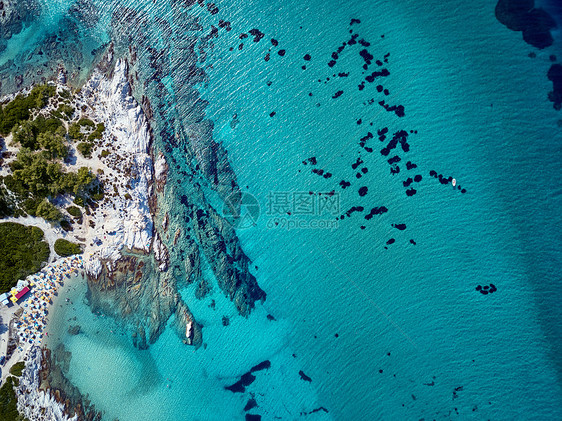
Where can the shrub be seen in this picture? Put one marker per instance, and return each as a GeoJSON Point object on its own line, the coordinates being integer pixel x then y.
{"type": "Point", "coordinates": [24, 135]}
{"type": "Point", "coordinates": [74, 211]}
{"type": "Point", "coordinates": [17, 369]}
{"type": "Point", "coordinates": [22, 251]}
{"type": "Point", "coordinates": [65, 225]}
{"type": "Point", "coordinates": [13, 113]}
{"type": "Point", "coordinates": [6, 204]}
{"type": "Point", "coordinates": [105, 153]}
{"type": "Point", "coordinates": [64, 110]}
{"type": "Point", "coordinates": [39, 95]}
{"type": "Point", "coordinates": [85, 148]}
{"type": "Point", "coordinates": [18, 109]}
{"type": "Point", "coordinates": [98, 133]}
{"type": "Point", "coordinates": [74, 132]}
{"type": "Point", "coordinates": [79, 201]}
{"type": "Point", "coordinates": [36, 175]}
{"type": "Point", "coordinates": [65, 94]}
{"type": "Point", "coordinates": [86, 122]}
{"type": "Point", "coordinates": [54, 144]}
{"type": "Point", "coordinates": [66, 248]}
{"type": "Point", "coordinates": [30, 205]}
{"type": "Point", "coordinates": [15, 186]}
{"type": "Point", "coordinates": [48, 211]}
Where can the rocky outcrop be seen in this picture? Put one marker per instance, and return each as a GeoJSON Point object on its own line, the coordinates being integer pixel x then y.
{"type": "Point", "coordinates": [193, 230]}
{"type": "Point", "coordinates": [40, 391]}
{"type": "Point", "coordinates": [137, 270]}
{"type": "Point", "coordinates": [124, 219]}
{"type": "Point", "coordinates": [134, 291]}
{"type": "Point", "coordinates": [13, 337]}
{"type": "Point", "coordinates": [161, 253]}
{"type": "Point", "coordinates": [127, 263]}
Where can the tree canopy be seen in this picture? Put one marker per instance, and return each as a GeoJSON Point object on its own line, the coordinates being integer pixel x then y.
{"type": "Point", "coordinates": [22, 251]}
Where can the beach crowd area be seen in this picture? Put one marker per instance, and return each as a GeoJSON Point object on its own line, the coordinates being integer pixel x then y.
{"type": "Point", "coordinates": [24, 320]}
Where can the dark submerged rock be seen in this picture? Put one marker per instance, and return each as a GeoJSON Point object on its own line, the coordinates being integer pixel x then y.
{"type": "Point", "coordinates": [251, 404]}
{"type": "Point", "coordinates": [304, 376]}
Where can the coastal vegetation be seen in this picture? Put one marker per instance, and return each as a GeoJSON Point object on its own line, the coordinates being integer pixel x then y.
{"type": "Point", "coordinates": [66, 248]}
{"type": "Point", "coordinates": [19, 109]}
{"type": "Point", "coordinates": [8, 401]}
{"type": "Point", "coordinates": [17, 368]}
{"type": "Point", "coordinates": [83, 132]}
{"type": "Point", "coordinates": [38, 175]}
{"type": "Point", "coordinates": [22, 252]}
{"type": "Point", "coordinates": [85, 148]}
{"type": "Point", "coordinates": [74, 211]}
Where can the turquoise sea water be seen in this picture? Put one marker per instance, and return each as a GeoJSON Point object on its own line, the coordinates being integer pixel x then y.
{"type": "Point", "coordinates": [414, 338]}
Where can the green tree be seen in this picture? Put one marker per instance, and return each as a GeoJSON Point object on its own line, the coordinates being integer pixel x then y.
{"type": "Point", "coordinates": [22, 251]}
{"type": "Point", "coordinates": [46, 125]}
{"type": "Point", "coordinates": [83, 181]}
{"type": "Point", "coordinates": [48, 211]}
{"type": "Point", "coordinates": [25, 136]}
{"type": "Point", "coordinates": [9, 400]}
{"type": "Point", "coordinates": [54, 144]}
{"type": "Point", "coordinates": [13, 113]}
{"type": "Point", "coordinates": [17, 369]}
{"type": "Point", "coordinates": [74, 132]}
{"type": "Point", "coordinates": [39, 95]}
{"type": "Point", "coordinates": [18, 109]}
{"type": "Point", "coordinates": [85, 148]}
{"type": "Point", "coordinates": [74, 211]}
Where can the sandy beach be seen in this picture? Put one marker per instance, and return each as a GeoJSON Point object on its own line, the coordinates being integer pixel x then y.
{"type": "Point", "coordinates": [31, 313]}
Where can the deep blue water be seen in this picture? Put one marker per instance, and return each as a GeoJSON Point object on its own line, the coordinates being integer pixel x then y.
{"type": "Point", "coordinates": [384, 333]}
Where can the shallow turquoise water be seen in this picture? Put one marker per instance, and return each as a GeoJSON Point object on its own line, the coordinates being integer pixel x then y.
{"type": "Point", "coordinates": [480, 107]}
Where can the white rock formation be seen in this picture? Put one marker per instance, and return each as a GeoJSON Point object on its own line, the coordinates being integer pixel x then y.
{"type": "Point", "coordinates": [123, 219]}
{"type": "Point", "coordinates": [33, 403]}
{"type": "Point", "coordinates": [161, 253]}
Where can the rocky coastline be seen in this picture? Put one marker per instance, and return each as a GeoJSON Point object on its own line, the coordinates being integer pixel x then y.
{"type": "Point", "coordinates": [155, 231]}
{"type": "Point", "coordinates": [44, 393]}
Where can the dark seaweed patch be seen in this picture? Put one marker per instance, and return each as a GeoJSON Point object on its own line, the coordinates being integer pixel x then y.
{"type": "Point", "coordinates": [250, 405]}
{"type": "Point", "coordinates": [264, 365]}
{"type": "Point", "coordinates": [240, 386]}
{"type": "Point", "coordinates": [257, 34]}
{"type": "Point", "coordinates": [304, 376]}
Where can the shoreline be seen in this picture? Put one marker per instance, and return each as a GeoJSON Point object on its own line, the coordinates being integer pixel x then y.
{"type": "Point", "coordinates": [35, 309]}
